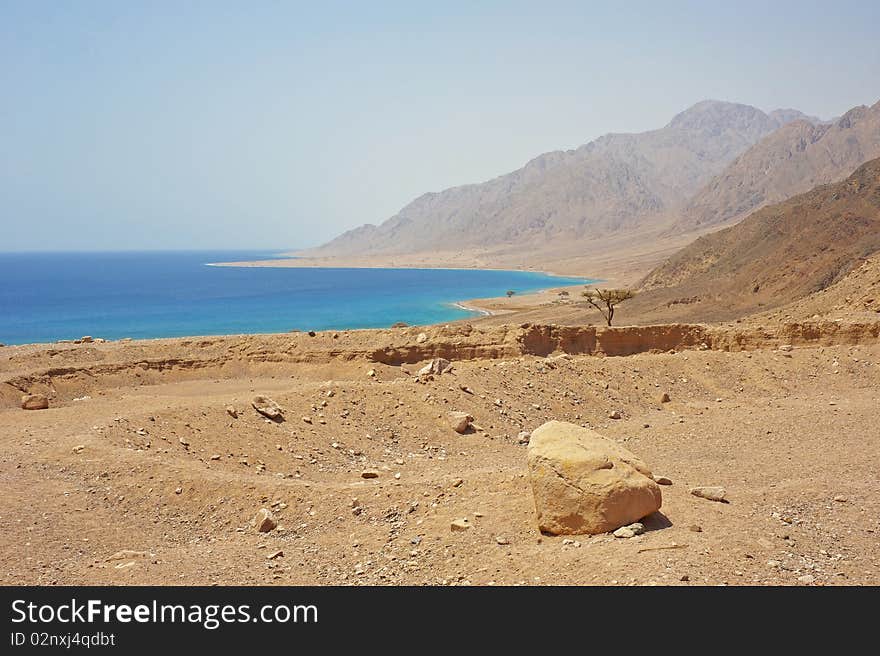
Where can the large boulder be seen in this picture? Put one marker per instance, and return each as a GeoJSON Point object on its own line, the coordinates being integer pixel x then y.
{"type": "Point", "coordinates": [586, 483]}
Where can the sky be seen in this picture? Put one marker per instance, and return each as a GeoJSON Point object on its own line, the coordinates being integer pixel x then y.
{"type": "Point", "coordinates": [277, 125]}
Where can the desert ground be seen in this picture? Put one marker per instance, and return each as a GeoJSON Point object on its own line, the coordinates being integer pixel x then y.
{"type": "Point", "coordinates": [138, 473]}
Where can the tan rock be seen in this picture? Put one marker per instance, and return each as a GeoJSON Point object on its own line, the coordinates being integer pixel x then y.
{"type": "Point", "coordinates": [436, 366]}
{"type": "Point", "coordinates": [34, 402]}
{"type": "Point", "coordinates": [664, 397]}
{"type": "Point", "coordinates": [662, 480]}
{"type": "Point", "coordinates": [459, 525]}
{"type": "Point", "coordinates": [585, 483]}
{"type": "Point", "coordinates": [712, 493]}
{"type": "Point", "coordinates": [422, 338]}
{"type": "Point", "coordinates": [231, 411]}
{"type": "Point", "coordinates": [630, 531]}
{"type": "Point", "coordinates": [266, 407]}
{"type": "Point", "coordinates": [370, 473]}
{"type": "Point", "coordinates": [460, 421]}
{"type": "Point", "coordinates": [264, 521]}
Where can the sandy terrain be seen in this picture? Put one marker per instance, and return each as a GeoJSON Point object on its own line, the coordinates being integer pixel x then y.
{"type": "Point", "coordinates": [137, 452]}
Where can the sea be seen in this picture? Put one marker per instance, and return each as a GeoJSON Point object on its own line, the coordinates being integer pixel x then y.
{"type": "Point", "coordinates": [46, 297]}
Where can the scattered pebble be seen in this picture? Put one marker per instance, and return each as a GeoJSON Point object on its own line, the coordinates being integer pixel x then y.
{"type": "Point", "coordinates": [461, 524]}
{"type": "Point", "coordinates": [630, 531]}
{"type": "Point", "coordinates": [264, 521]}
{"type": "Point", "coordinates": [712, 493]}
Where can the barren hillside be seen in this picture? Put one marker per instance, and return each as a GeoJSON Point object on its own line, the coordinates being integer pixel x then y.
{"type": "Point", "coordinates": [775, 256]}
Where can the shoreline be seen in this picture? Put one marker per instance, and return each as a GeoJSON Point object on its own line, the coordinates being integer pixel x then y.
{"type": "Point", "coordinates": [274, 264]}
{"type": "Point", "coordinates": [483, 312]}
{"type": "Point", "coordinates": [480, 307]}
{"type": "Point", "coordinates": [483, 307]}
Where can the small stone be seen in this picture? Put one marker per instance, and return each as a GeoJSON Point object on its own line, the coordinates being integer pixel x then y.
{"type": "Point", "coordinates": [275, 554]}
{"type": "Point", "coordinates": [459, 525]}
{"type": "Point", "coordinates": [178, 490]}
{"type": "Point", "coordinates": [695, 528]}
{"type": "Point", "coordinates": [664, 398]}
{"type": "Point", "coordinates": [711, 493]}
{"type": "Point", "coordinates": [785, 348]}
{"type": "Point", "coordinates": [370, 473]}
{"type": "Point", "coordinates": [231, 411]}
{"type": "Point", "coordinates": [457, 482]}
{"type": "Point", "coordinates": [307, 420]}
{"type": "Point", "coordinates": [501, 540]}
{"type": "Point", "coordinates": [216, 456]}
{"type": "Point", "coordinates": [460, 421]}
{"type": "Point", "coordinates": [79, 448]}
{"type": "Point", "coordinates": [436, 366]}
{"type": "Point", "coordinates": [34, 402]}
{"type": "Point", "coordinates": [264, 521]}
{"type": "Point", "coordinates": [86, 339]}
{"type": "Point", "coordinates": [128, 554]}
{"type": "Point", "coordinates": [614, 414]}
{"type": "Point", "coordinates": [840, 499]}
{"type": "Point", "coordinates": [371, 373]}
{"type": "Point", "coordinates": [266, 407]}
{"type": "Point", "coordinates": [662, 480]}
{"type": "Point", "coordinates": [523, 437]}
{"type": "Point", "coordinates": [685, 577]}
{"type": "Point", "coordinates": [629, 531]}
{"type": "Point", "coordinates": [422, 338]}
{"type": "Point", "coordinates": [807, 579]}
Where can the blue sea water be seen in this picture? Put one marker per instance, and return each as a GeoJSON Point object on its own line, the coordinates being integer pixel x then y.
{"type": "Point", "coordinates": [49, 296]}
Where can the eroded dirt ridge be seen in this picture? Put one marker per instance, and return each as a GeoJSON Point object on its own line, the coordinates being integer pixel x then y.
{"type": "Point", "coordinates": [81, 368]}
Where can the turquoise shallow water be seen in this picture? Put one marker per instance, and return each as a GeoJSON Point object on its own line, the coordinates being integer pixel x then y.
{"type": "Point", "coordinates": [49, 296]}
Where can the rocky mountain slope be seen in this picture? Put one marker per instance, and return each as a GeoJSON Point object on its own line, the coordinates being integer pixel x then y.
{"type": "Point", "coordinates": [789, 161]}
{"type": "Point", "coordinates": [776, 255]}
{"type": "Point", "coordinates": [617, 182]}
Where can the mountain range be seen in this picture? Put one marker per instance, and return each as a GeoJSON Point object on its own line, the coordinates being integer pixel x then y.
{"type": "Point", "coordinates": [710, 165]}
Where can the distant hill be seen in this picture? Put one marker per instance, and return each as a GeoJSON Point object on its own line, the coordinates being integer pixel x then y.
{"type": "Point", "coordinates": [789, 161]}
{"type": "Point", "coordinates": [616, 183]}
{"type": "Point", "coordinates": [778, 254]}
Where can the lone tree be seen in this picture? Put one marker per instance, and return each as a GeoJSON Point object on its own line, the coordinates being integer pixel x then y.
{"type": "Point", "coordinates": [605, 300]}
{"type": "Point", "coordinates": [510, 293]}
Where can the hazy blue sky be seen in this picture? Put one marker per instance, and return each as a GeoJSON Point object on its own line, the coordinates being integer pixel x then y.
{"type": "Point", "coordinates": [278, 124]}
